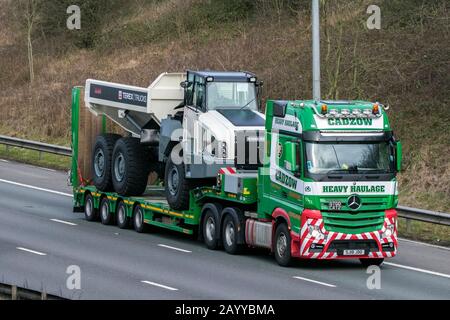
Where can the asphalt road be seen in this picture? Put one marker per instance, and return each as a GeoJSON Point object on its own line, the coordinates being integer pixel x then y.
{"type": "Point", "coordinates": [40, 237]}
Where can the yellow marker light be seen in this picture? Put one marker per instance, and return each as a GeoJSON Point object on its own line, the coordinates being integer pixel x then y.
{"type": "Point", "coordinates": [376, 108]}
{"type": "Point", "coordinates": [324, 109]}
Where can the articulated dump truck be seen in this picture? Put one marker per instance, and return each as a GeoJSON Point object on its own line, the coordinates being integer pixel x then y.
{"type": "Point", "coordinates": [313, 179]}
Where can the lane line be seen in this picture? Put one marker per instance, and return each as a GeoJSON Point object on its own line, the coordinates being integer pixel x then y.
{"type": "Point", "coordinates": [434, 273]}
{"type": "Point", "coordinates": [314, 281]}
{"type": "Point", "coordinates": [3, 160]}
{"type": "Point", "coordinates": [36, 188]}
{"type": "Point", "coordinates": [425, 244]}
{"type": "Point", "coordinates": [159, 285]}
{"type": "Point", "coordinates": [31, 251]}
{"type": "Point", "coordinates": [173, 248]}
{"type": "Point", "coordinates": [64, 222]}
{"type": "Point", "coordinates": [46, 169]}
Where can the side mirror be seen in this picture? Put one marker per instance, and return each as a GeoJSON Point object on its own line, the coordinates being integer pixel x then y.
{"type": "Point", "coordinates": [399, 156]}
{"type": "Point", "coordinates": [185, 84]}
{"type": "Point", "coordinates": [290, 156]}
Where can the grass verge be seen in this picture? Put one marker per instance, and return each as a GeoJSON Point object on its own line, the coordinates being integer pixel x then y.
{"type": "Point", "coordinates": [46, 160]}
{"type": "Point", "coordinates": [425, 232]}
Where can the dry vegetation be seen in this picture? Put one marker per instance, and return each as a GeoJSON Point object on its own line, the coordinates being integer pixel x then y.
{"type": "Point", "coordinates": [405, 64]}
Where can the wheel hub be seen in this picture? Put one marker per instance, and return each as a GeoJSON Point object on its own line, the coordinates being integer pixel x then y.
{"type": "Point", "coordinates": [229, 234]}
{"type": "Point", "coordinates": [99, 163]}
{"type": "Point", "coordinates": [210, 229]}
{"type": "Point", "coordinates": [174, 181]}
{"type": "Point", "coordinates": [282, 245]}
{"type": "Point", "coordinates": [119, 167]}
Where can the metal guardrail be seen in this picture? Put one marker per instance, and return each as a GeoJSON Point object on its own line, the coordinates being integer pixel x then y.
{"type": "Point", "coordinates": [34, 145]}
{"type": "Point", "coordinates": [11, 292]}
{"type": "Point", "coordinates": [404, 212]}
{"type": "Point", "coordinates": [424, 215]}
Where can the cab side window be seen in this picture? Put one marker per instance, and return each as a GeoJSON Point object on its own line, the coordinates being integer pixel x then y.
{"type": "Point", "coordinates": [199, 93]}
{"type": "Point", "coordinates": [190, 90]}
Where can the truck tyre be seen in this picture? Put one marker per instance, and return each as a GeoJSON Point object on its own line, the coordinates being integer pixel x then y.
{"type": "Point", "coordinates": [176, 185]}
{"type": "Point", "coordinates": [129, 167]}
{"type": "Point", "coordinates": [282, 245]}
{"type": "Point", "coordinates": [90, 212]}
{"type": "Point", "coordinates": [138, 220]}
{"type": "Point", "coordinates": [123, 221]}
{"type": "Point", "coordinates": [106, 216]}
{"type": "Point", "coordinates": [230, 235]}
{"type": "Point", "coordinates": [210, 229]}
{"type": "Point", "coordinates": [371, 262]}
{"type": "Point", "coordinates": [101, 160]}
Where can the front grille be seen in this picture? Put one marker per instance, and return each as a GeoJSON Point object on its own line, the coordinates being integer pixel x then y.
{"type": "Point", "coordinates": [341, 245]}
{"type": "Point", "coordinates": [368, 203]}
{"type": "Point", "coordinates": [353, 223]}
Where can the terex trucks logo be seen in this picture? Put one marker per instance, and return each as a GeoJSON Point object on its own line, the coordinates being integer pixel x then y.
{"type": "Point", "coordinates": [350, 122]}
{"type": "Point", "coordinates": [354, 189]}
{"type": "Point", "coordinates": [286, 180]}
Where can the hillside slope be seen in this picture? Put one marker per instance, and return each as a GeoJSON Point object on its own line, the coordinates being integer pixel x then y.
{"type": "Point", "coordinates": [405, 64]}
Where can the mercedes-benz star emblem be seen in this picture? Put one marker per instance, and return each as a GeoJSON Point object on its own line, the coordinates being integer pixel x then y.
{"type": "Point", "coordinates": [354, 202]}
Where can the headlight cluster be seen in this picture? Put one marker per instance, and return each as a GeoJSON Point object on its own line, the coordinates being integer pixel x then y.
{"type": "Point", "coordinates": [223, 149]}
{"type": "Point", "coordinates": [315, 232]}
{"type": "Point", "coordinates": [389, 231]}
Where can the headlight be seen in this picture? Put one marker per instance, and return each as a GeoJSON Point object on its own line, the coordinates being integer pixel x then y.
{"type": "Point", "coordinates": [389, 231]}
{"type": "Point", "coordinates": [223, 149]}
{"type": "Point", "coordinates": [315, 232]}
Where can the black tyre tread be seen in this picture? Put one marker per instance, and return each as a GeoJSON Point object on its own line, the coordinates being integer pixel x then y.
{"type": "Point", "coordinates": [181, 202]}
{"type": "Point", "coordinates": [137, 167]}
{"type": "Point", "coordinates": [107, 140]}
{"type": "Point", "coordinates": [236, 248]}
{"type": "Point", "coordinates": [287, 260]}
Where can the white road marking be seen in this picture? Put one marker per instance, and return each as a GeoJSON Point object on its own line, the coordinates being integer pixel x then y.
{"type": "Point", "coordinates": [31, 251]}
{"type": "Point", "coordinates": [3, 160]}
{"type": "Point", "coordinates": [47, 169]}
{"type": "Point", "coordinates": [159, 285]}
{"type": "Point", "coordinates": [314, 281]}
{"type": "Point", "coordinates": [418, 270]}
{"type": "Point", "coordinates": [64, 222]}
{"type": "Point", "coordinates": [425, 244]}
{"type": "Point", "coordinates": [36, 188]}
{"type": "Point", "coordinates": [173, 248]}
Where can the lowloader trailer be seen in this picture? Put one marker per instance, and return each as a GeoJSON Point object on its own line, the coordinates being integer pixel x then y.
{"type": "Point", "coordinates": [327, 189]}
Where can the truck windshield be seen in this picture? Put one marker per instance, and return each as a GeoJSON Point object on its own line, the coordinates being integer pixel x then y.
{"type": "Point", "coordinates": [231, 95]}
{"type": "Point", "coordinates": [322, 158]}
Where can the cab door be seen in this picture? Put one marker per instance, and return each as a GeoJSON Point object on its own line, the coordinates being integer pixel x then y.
{"type": "Point", "coordinates": [192, 132]}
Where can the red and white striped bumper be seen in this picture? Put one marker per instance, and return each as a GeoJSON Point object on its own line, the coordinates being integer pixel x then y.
{"type": "Point", "coordinates": [308, 243]}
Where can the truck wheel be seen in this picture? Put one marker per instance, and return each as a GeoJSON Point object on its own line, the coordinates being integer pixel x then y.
{"type": "Point", "coordinates": [372, 262]}
{"type": "Point", "coordinates": [90, 212]}
{"type": "Point", "coordinates": [123, 221]}
{"type": "Point", "coordinates": [176, 185]}
{"type": "Point", "coordinates": [129, 167]}
{"type": "Point", "coordinates": [230, 235]}
{"type": "Point", "coordinates": [138, 220]}
{"type": "Point", "coordinates": [282, 246]}
{"type": "Point", "coordinates": [106, 216]}
{"type": "Point", "coordinates": [101, 160]}
{"type": "Point", "coordinates": [210, 229]}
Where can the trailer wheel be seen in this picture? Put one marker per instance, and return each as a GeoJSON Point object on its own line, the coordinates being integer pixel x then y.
{"type": "Point", "coordinates": [106, 216]}
{"type": "Point", "coordinates": [230, 235]}
{"type": "Point", "coordinates": [101, 160]}
{"type": "Point", "coordinates": [130, 167]}
{"type": "Point", "coordinates": [138, 220]}
{"type": "Point", "coordinates": [123, 221]}
{"type": "Point", "coordinates": [90, 212]}
{"type": "Point", "coordinates": [282, 246]}
{"type": "Point", "coordinates": [210, 229]}
{"type": "Point", "coordinates": [176, 185]}
{"type": "Point", "coordinates": [371, 262]}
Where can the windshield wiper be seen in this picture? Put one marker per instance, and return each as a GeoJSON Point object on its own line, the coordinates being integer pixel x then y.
{"type": "Point", "coordinates": [247, 103]}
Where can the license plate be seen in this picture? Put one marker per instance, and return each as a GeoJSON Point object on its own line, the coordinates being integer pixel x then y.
{"type": "Point", "coordinates": [359, 252]}
{"type": "Point", "coordinates": [335, 205]}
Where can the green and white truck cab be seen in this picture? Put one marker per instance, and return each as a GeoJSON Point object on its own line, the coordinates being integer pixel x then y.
{"type": "Point", "coordinates": [330, 175]}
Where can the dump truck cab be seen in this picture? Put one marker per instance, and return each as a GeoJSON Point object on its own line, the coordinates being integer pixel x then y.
{"type": "Point", "coordinates": [330, 176]}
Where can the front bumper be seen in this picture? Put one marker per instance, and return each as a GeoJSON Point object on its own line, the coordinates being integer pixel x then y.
{"type": "Point", "coordinates": [323, 244]}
